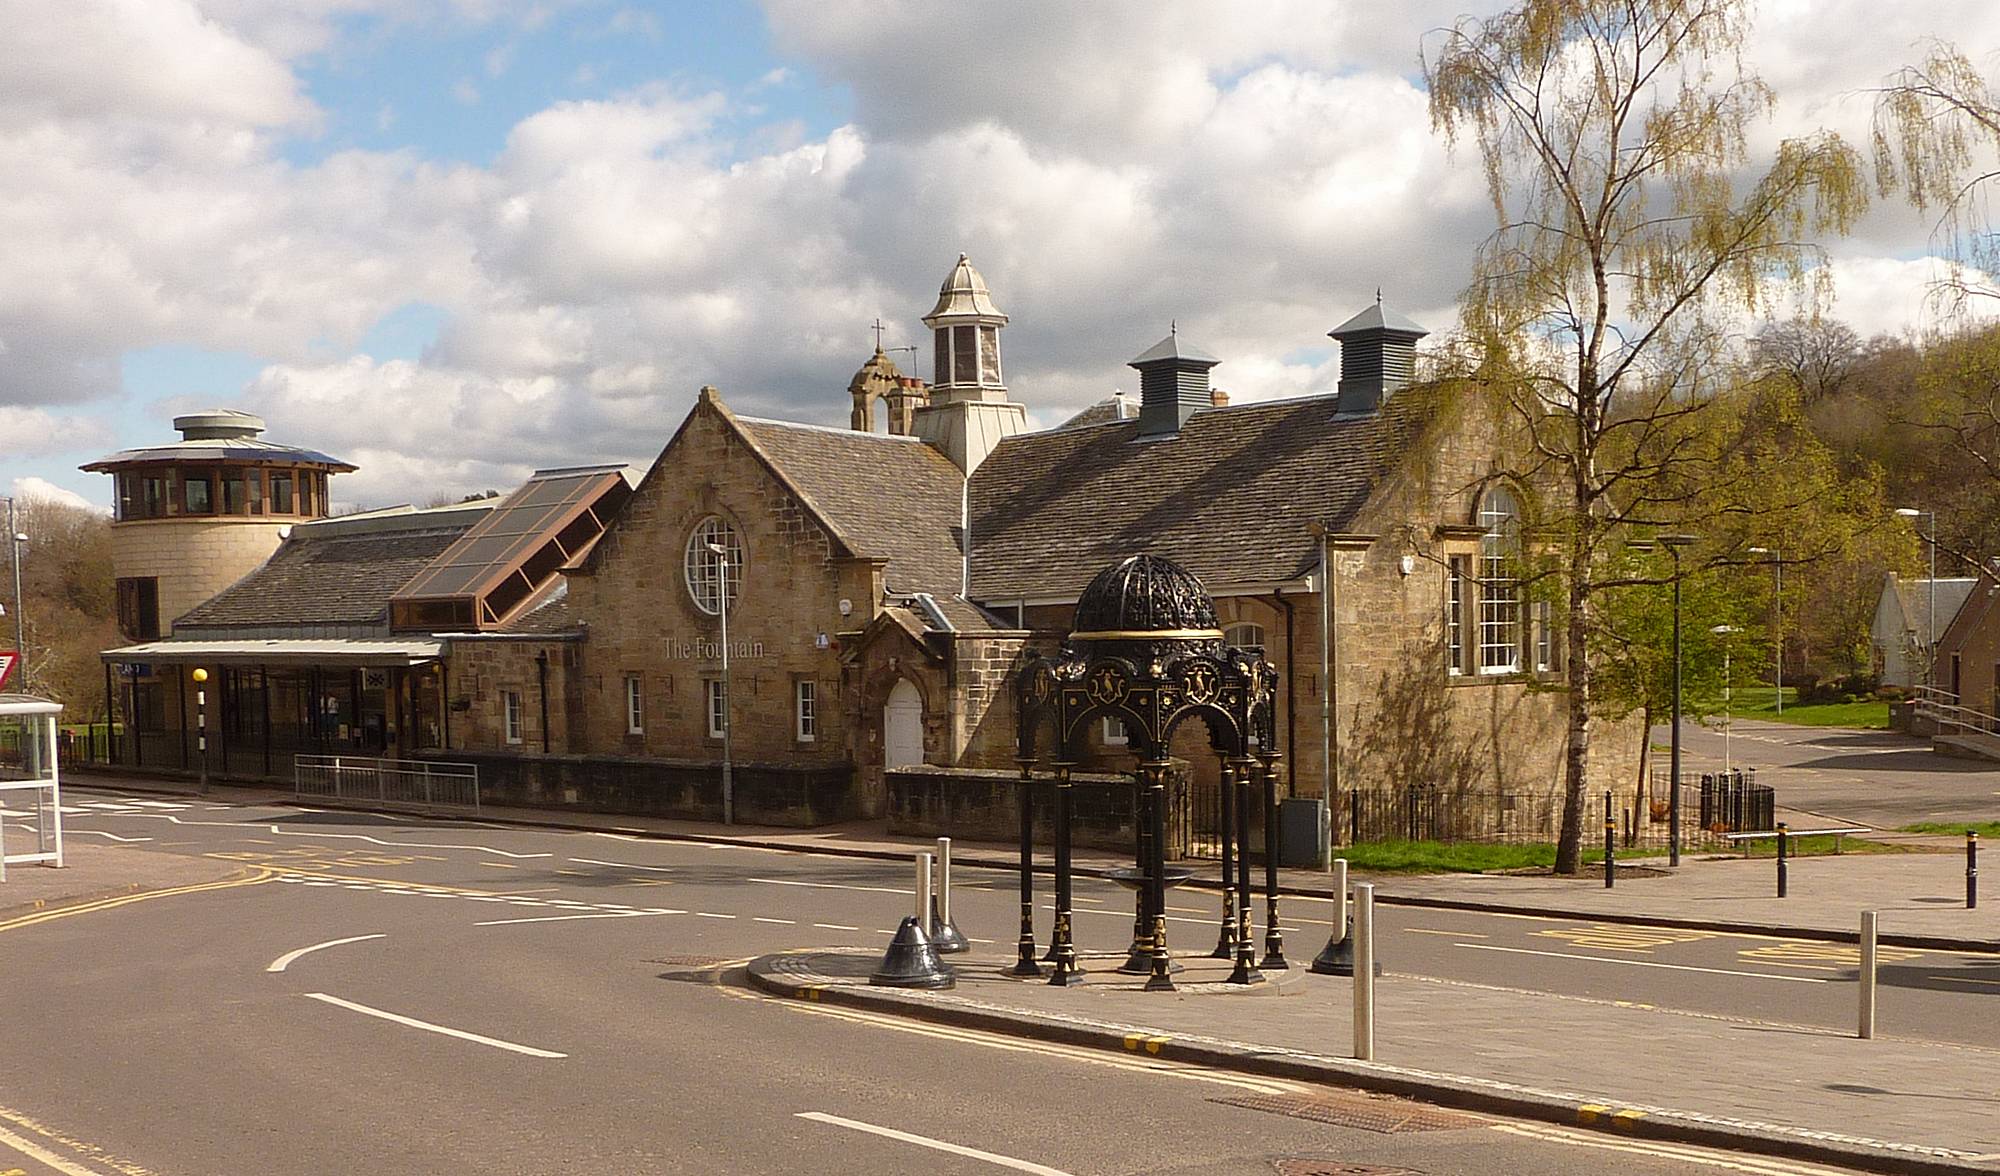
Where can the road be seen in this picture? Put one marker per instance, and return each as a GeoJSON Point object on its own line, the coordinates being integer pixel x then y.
{"type": "Point", "coordinates": [1876, 778]}
{"type": "Point", "coordinates": [401, 995]}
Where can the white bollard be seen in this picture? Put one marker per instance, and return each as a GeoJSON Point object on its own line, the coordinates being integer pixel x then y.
{"type": "Point", "coordinates": [944, 881]}
{"type": "Point", "coordinates": [1867, 974]}
{"type": "Point", "coordinates": [924, 894]}
{"type": "Point", "coordinates": [1340, 905]}
{"type": "Point", "coordinates": [1364, 971]}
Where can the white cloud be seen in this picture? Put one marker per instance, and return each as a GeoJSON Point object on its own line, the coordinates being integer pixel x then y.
{"type": "Point", "coordinates": [1253, 171]}
{"type": "Point", "coordinates": [36, 432]}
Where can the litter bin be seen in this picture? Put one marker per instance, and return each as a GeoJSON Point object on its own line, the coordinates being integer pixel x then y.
{"type": "Point", "coordinates": [1302, 832]}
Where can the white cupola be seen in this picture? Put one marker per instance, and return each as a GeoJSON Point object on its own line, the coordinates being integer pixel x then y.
{"type": "Point", "coordinates": [965, 332]}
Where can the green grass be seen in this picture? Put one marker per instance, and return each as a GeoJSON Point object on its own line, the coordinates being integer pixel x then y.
{"type": "Point", "coordinates": [1758, 703]}
{"type": "Point", "coordinates": [1957, 829]}
{"type": "Point", "coordinates": [1463, 857]}
{"type": "Point", "coordinates": [1472, 857]}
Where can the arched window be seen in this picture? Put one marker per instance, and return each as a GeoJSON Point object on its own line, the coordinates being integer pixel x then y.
{"type": "Point", "coordinates": [1244, 633]}
{"type": "Point", "coordinates": [705, 565]}
{"type": "Point", "coordinates": [1499, 587]}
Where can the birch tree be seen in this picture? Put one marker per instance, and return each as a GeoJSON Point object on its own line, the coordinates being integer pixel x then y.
{"type": "Point", "coordinates": [1631, 225]}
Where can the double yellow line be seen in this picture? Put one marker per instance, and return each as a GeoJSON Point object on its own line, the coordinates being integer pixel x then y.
{"type": "Point", "coordinates": [255, 875]}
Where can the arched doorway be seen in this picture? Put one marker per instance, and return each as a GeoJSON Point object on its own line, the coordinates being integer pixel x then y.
{"type": "Point", "coordinates": [903, 727]}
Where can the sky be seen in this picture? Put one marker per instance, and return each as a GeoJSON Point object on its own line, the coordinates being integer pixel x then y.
{"type": "Point", "coordinates": [452, 241]}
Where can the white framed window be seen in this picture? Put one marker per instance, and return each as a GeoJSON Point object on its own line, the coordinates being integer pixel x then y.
{"type": "Point", "coordinates": [709, 572]}
{"type": "Point", "coordinates": [1499, 590]}
{"type": "Point", "coordinates": [717, 706]}
{"type": "Point", "coordinates": [510, 715]}
{"type": "Point", "coordinates": [1244, 633]}
{"type": "Point", "coordinates": [1545, 639]}
{"type": "Point", "coordinates": [805, 709]}
{"type": "Point", "coordinates": [1114, 732]}
{"type": "Point", "coordinates": [635, 706]}
{"type": "Point", "coordinates": [1454, 615]}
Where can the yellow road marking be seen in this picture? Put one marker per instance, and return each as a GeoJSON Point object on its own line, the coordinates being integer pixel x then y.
{"type": "Point", "coordinates": [1808, 951]}
{"type": "Point", "coordinates": [258, 874]}
{"type": "Point", "coordinates": [1655, 1149]}
{"type": "Point", "coordinates": [1966, 979]}
{"type": "Point", "coordinates": [1613, 937]}
{"type": "Point", "coordinates": [96, 1154]}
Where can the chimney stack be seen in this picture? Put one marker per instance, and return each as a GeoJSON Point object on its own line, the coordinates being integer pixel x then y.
{"type": "Point", "coordinates": [1173, 384]}
{"type": "Point", "coordinates": [1378, 354]}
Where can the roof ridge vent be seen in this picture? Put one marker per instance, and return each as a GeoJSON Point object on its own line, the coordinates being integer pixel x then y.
{"type": "Point", "coordinates": [1173, 385]}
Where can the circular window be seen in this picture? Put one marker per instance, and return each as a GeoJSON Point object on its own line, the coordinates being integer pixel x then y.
{"type": "Point", "coordinates": [714, 555]}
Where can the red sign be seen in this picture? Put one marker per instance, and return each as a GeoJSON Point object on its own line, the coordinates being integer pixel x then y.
{"type": "Point", "coordinates": [7, 659]}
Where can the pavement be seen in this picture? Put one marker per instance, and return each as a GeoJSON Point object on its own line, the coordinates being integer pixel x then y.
{"type": "Point", "coordinates": [1800, 1091]}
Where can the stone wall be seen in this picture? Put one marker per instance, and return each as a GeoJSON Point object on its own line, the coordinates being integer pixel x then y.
{"type": "Point", "coordinates": [985, 805]}
{"type": "Point", "coordinates": [765, 794]}
{"type": "Point", "coordinates": [193, 558]}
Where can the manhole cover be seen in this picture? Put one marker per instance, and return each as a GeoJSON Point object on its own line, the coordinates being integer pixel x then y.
{"type": "Point", "coordinates": [1386, 1115]}
{"type": "Point", "coordinates": [1311, 1167]}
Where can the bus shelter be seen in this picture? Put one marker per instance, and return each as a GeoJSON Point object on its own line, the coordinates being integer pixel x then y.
{"type": "Point", "coordinates": [30, 779]}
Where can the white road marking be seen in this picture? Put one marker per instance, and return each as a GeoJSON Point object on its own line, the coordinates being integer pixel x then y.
{"type": "Point", "coordinates": [708, 915]}
{"type": "Point", "coordinates": [624, 865]}
{"type": "Point", "coordinates": [110, 836]}
{"type": "Point", "coordinates": [1733, 1163]}
{"type": "Point", "coordinates": [40, 1154]}
{"type": "Point", "coordinates": [829, 886]}
{"type": "Point", "coordinates": [762, 919]}
{"type": "Point", "coordinates": [562, 918]}
{"type": "Point", "coordinates": [934, 1144]}
{"type": "Point", "coordinates": [835, 927]}
{"type": "Point", "coordinates": [285, 961]}
{"type": "Point", "coordinates": [426, 1026]}
{"type": "Point", "coordinates": [1566, 955]}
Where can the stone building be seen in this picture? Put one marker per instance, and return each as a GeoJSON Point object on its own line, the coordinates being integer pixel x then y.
{"type": "Point", "coordinates": [883, 587]}
{"type": "Point", "coordinates": [880, 585]}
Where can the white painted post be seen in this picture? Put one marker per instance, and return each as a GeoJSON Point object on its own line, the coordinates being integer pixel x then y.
{"type": "Point", "coordinates": [1340, 901]}
{"type": "Point", "coordinates": [944, 880]}
{"type": "Point", "coordinates": [1364, 971]}
{"type": "Point", "coordinates": [1867, 974]}
{"type": "Point", "coordinates": [924, 894]}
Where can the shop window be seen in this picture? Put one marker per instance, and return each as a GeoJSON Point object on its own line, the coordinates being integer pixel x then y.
{"type": "Point", "coordinates": [711, 573]}
{"type": "Point", "coordinates": [139, 607]}
{"type": "Point", "coordinates": [510, 707]}
{"type": "Point", "coordinates": [805, 709]}
{"type": "Point", "coordinates": [635, 706]}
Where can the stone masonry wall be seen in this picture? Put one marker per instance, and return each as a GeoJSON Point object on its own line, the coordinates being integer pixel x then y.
{"type": "Point", "coordinates": [193, 558]}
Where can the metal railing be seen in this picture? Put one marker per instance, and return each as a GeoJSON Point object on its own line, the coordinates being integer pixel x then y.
{"type": "Point", "coordinates": [1942, 708]}
{"type": "Point", "coordinates": [395, 781]}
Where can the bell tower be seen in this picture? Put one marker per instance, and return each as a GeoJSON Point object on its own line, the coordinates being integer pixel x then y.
{"type": "Point", "coordinates": [968, 410]}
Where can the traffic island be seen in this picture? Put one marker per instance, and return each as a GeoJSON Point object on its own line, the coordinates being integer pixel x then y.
{"type": "Point", "coordinates": [1566, 1060]}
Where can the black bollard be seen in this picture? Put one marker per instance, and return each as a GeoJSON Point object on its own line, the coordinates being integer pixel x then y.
{"type": "Point", "coordinates": [911, 961]}
{"type": "Point", "coordinates": [1971, 868]}
{"type": "Point", "coordinates": [945, 935]}
{"type": "Point", "coordinates": [1610, 843]}
{"type": "Point", "coordinates": [1784, 839]}
{"type": "Point", "coordinates": [1337, 957]}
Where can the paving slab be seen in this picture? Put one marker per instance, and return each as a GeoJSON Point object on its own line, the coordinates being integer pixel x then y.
{"type": "Point", "coordinates": [1885, 1104]}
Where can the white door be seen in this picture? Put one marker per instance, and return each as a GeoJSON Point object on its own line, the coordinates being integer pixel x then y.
{"type": "Point", "coordinates": [903, 727]}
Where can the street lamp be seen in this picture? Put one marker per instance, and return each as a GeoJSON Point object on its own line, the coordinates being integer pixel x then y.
{"type": "Point", "coordinates": [1777, 620]}
{"type": "Point", "coordinates": [1930, 622]}
{"type": "Point", "coordinates": [20, 614]}
{"type": "Point", "coordinates": [1673, 544]}
{"type": "Point", "coordinates": [721, 553]}
{"type": "Point", "coordinates": [1724, 631]}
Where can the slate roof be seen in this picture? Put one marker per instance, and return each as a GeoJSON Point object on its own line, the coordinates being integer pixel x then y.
{"type": "Point", "coordinates": [889, 497]}
{"type": "Point", "coordinates": [1229, 498]}
{"type": "Point", "coordinates": [548, 612]}
{"type": "Point", "coordinates": [320, 579]}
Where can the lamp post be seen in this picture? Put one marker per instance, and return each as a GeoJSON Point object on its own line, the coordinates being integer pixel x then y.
{"type": "Point", "coordinates": [1673, 544]}
{"type": "Point", "coordinates": [16, 539]}
{"type": "Point", "coordinates": [1930, 622]}
{"type": "Point", "coordinates": [1724, 631]}
{"type": "Point", "coordinates": [722, 606]}
{"type": "Point", "coordinates": [1777, 620]}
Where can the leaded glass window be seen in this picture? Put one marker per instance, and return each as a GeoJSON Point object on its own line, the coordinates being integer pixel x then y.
{"type": "Point", "coordinates": [709, 569]}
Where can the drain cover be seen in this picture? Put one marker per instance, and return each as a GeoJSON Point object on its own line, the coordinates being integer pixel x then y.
{"type": "Point", "coordinates": [1311, 1167]}
{"type": "Point", "coordinates": [1369, 1113]}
